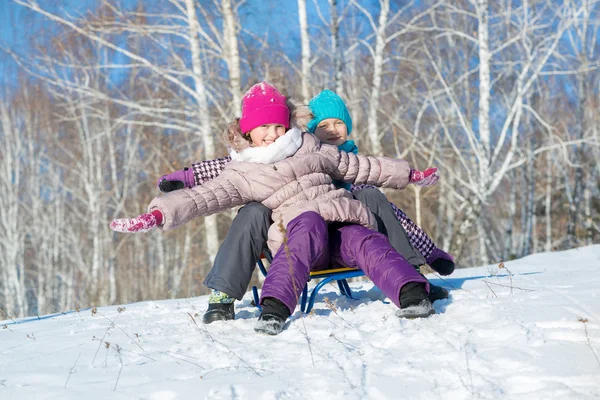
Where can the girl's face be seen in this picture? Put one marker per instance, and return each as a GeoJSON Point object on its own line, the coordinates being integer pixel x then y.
{"type": "Point", "coordinates": [266, 134]}
{"type": "Point", "coordinates": [332, 131]}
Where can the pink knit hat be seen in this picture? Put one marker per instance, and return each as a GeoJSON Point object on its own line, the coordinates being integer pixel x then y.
{"type": "Point", "coordinates": [263, 104]}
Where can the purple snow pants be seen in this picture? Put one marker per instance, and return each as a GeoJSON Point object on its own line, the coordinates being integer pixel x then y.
{"type": "Point", "coordinates": [313, 246]}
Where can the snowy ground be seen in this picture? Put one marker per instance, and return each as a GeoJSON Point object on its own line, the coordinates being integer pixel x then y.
{"type": "Point", "coordinates": [532, 335]}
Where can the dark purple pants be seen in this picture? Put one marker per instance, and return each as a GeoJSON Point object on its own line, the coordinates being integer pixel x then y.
{"type": "Point", "coordinates": [313, 246]}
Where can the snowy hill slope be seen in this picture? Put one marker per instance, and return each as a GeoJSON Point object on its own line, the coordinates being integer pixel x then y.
{"type": "Point", "coordinates": [523, 336]}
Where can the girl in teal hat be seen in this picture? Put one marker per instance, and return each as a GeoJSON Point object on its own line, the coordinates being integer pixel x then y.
{"type": "Point", "coordinates": [332, 124]}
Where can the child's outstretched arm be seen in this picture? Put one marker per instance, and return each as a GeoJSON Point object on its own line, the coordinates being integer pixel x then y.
{"type": "Point", "coordinates": [377, 171]}
{"type": "Point", "coordinates": [178, 207]}
{"type": "Point", "coordinates": [198, 174]}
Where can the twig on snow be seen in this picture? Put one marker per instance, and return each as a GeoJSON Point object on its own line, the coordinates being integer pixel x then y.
{"type": "Point", "coordinates": [71, 370]}
{"type": "Point", "coordinates": [587, 337]}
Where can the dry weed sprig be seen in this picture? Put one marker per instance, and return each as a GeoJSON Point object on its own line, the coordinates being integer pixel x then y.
{"type": "Point", "coordinates": [511, 287]}
{"type": "Point", "coordinates": [101, 341]}
{"type": "Point", "coordinates": [78, 311]}
{"type": "Point", "coordinates": [469, 370]}
{"type": "Point", "coordinates": [178, 356]}
{"type": "Point", "coordinates": [587, 338]}
{"type": "Point", "coordinates": [348, 347]}
{"type": "Point", "coordinates": [224, 345]}
{"type": "Point", "coordinates": [71, 370]}
{"type": "Point", "coordinates": [9, 317]}
{"type": "Point", "coordinates": [32, 337]}
{"type": "Point", "coordinates": [333, 308]}
{"type": "Point", "coordinates": [492, 290]}
{"type": "Point", "coordinates": [205, 331]}
{"type": "Point", "coordinates": [288, 256]}
{"type": "Point", "coordinates": [510, 274]}
{"type": "Point", "coordinates": [122, 330]}
{"type": "Point", "coordinates": [118, 350]}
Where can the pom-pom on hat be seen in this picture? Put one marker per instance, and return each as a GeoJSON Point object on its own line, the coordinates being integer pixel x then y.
{"type": "Point", "coordinates": [263, 104]}
{"type": "Point", "coordinates": [328, 104]}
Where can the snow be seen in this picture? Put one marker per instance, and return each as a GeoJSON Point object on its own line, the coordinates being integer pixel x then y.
{"type": "Point", "coordinates": [500, 335]}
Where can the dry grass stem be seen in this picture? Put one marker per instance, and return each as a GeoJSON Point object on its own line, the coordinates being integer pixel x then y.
{"type": "Point", "coordinates": [288, 256]}
{"type": "Point", "coordinates": [8, 316]}
{"type": "Point", "coordinates": [224, 345]}
{"type": "Point", "coordinates": [137, 342]}
{"type": "Point", "coordinates": [71, 370]}
{"type": "Point", "coordinates": [489, 287]}
{"type": "Point", "coordinates": [587, 338]}
{"type": "Point", "coordinates": [510, 274]}
{"type": "Point", "coordinates": [511, 287]}
{"type": "Point", "coordinates": [118, 350]}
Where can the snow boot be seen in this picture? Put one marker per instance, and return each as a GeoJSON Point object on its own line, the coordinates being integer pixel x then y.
{"type": "Point", "coordinates": [437, 293]}
{"type": "Point", "coordinates": [414, 302]}
{"type": "Point", "coordinates": [218, 312]}
{"type": "Point", "coordinates": [220, 307]}
{"type": "Point", "coordinates": [273, 316]}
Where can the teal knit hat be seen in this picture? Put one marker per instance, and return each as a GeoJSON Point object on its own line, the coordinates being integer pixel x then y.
{"type": "Point", "coordinates": [328, 104]}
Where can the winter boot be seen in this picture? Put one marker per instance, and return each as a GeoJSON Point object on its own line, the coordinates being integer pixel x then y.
{"type": "Point", "coordinates": [220, 308]}
{"type": "Point", "coordinates": [435, 292]}
{"type": "Point", "coordinates": [414, 302]}
{"type": "Point", "coordinates": [273, 316]}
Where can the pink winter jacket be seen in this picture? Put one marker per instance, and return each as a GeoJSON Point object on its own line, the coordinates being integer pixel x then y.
{"type": "Point", "coordinates": [300, 183]}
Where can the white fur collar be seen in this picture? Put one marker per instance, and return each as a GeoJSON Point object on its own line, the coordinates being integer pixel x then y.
{"type": "Point", "coordinates": [282, 148]}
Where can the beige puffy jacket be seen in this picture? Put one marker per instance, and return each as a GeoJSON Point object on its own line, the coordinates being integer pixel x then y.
{"type": "Point", "coordinates": [300, 183]}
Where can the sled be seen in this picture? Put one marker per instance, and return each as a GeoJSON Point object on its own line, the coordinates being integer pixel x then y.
{"type": "Point", "coordinates": [327, 275]}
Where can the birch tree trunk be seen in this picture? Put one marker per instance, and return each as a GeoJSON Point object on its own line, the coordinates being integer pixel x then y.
{"type": "Point", "coordinates": [512, 210]}
{"type": "Point", "coordinates": [530, 227]}
{"type": "Point", "coordinates": [336, 52]}
{"type": "Point", "coordinates": [484, 83]}
{"type": "Point", "coordinates": [211, 231]}
{"type": "Point", "coordinates": [232, 54]}
{"type": "Point", "coordinates": [305, 40]}
{"type": "Point", "coordinates": [373, 124]}
{"type": "Point", "coordinates": [548, 202]}
{"type": "Point", "coordinates": [587, 211]}
{"type": "Point", "coordinates": [12, 262]}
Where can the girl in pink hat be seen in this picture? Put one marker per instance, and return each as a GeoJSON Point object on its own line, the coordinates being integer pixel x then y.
{"type": "Point", "coordinates": [246, 240]}
{"type": "Point", "coordinates": [315, 224]}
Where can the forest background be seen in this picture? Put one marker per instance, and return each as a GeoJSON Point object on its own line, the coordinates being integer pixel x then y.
{"type": "Point", "coordinates": [100, 98]}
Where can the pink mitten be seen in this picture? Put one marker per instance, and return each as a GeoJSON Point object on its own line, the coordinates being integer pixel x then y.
{"type": "Point", "coordinates": [424, 178]}
{"type": "Point", "coordinates": [141, 223]}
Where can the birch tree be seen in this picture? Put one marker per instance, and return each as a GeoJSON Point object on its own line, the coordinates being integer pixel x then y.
{"type": "Point", "coordinates": [12, 261]}
{"type": "Point", "coordinates": [232, 53]}
{"type": "Point", "coordinates": [305, 40]}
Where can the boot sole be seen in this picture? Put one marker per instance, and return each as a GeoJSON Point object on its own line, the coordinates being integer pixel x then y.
{"type": "Point", "coordinates": [417, 316]}
{"type": "Point", "coordinates": [216, 316]}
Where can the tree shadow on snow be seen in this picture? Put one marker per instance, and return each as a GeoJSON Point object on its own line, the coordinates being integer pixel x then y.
{"type": "Point", "coordinates": [457, 283]}
{"type": "Point", "coordinates": [361, 296]}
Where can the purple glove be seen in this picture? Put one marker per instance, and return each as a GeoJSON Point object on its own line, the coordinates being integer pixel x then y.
{"type": "Point", "coordinates": [176, 180]}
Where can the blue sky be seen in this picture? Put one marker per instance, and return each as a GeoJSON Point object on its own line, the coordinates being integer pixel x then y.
{"type": "Point", "coordinates": [18, 24]}
{"type": "Point", "coordinates": [279, 19]}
